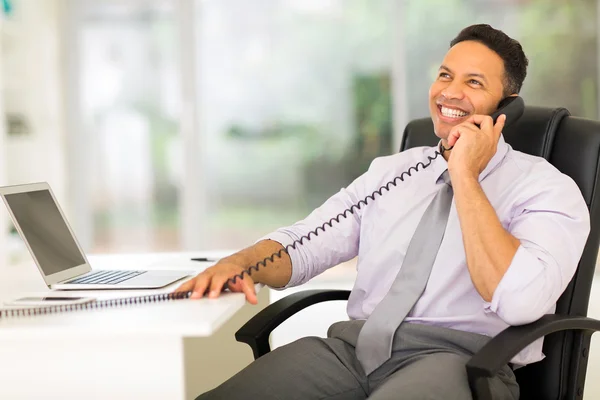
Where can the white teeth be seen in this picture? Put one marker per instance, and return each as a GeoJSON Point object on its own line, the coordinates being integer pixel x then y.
{"type": "Point", "coordinates": [452, 113]}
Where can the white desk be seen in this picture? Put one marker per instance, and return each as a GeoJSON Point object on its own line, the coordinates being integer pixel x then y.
{"type": "Point", "coordinates": [171, 350]}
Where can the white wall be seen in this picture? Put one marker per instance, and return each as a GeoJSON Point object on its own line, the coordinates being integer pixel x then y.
{"type": "Point", "coordinates": [3, 215]}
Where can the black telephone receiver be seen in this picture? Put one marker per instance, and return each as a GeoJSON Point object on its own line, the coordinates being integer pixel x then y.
{"type": "Point", "coordinates": [512, 106]}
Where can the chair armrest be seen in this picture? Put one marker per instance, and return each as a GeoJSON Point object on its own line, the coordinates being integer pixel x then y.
{"type": "Point", "coordinates": [508, 343]}
{"type": "Point", "coordinates": [257, 330]}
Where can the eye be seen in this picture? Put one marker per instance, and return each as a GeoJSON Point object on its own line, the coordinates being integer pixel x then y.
{"type": "Point", "coordinates": [444, 75]}
{"type": "Point", "coordinates": [475, 82]}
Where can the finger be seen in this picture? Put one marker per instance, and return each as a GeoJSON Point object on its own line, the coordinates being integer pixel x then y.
{"type": "Point", "coordinates": [216, 285]}
{"type": "Point", "coordinates": [480, 119]}
{"type": "Point", "coordinates": [186, 286]}
{"type": "Point", "coordinates": [459, 130]}
{"type": "Point", "coordinates": [202, 282]}
{"type": "Point", "coordinates": [487, 125]}
{"type": "Point", "coordinates": [452, 138]}
{"type": "Point", "coordinates": [249, 290]}
{"type": "Point", "coordinates": [500, 122]}
{"type": "Point", "coordinates": [235, 283]}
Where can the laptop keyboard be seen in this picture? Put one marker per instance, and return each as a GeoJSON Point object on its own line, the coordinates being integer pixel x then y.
{"type": "Point", "coordinates": [106, 277]}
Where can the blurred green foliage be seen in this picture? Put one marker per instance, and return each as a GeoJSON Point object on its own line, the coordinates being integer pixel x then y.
{"type": "Point", "coordinates": [560, 40]}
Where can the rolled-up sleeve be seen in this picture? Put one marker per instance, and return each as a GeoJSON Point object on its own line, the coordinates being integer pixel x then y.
{"type": "Point", "coordinates": [552, 226]}
{"type": "Point", "coordinates": [336, 239]}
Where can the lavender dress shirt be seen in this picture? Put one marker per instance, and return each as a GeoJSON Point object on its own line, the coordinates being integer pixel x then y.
{"type": "Point", "coordinates": [535, 202]}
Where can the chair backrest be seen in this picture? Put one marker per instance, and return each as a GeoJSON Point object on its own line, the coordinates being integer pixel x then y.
{"type": "Point", "coordinates": [572, 145]}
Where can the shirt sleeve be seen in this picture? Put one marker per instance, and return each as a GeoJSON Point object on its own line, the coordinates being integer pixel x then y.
{"type": "Point", "coordinates": [326, 237]}
{"type": "Point", "coordinates": [552, 226]}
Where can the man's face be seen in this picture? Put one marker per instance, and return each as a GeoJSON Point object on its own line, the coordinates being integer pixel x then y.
{"type": "Point", "coordinates": [469, 81]}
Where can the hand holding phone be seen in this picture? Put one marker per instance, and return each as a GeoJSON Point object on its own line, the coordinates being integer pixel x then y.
{"type": "Point", "coordinates": [475, 141]}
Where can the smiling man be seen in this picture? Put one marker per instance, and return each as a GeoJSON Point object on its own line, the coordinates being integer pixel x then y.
{"type": "Point", "coordinates": [484, 238]}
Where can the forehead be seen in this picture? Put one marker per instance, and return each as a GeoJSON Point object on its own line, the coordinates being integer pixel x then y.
{"type": "Point", "coordinates": [473, 57]}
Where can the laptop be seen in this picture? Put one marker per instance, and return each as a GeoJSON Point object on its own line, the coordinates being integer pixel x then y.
{"type": "Point", "coordinates": [41, 223]}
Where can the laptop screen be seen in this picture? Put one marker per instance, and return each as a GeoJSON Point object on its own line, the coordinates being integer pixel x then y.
{"type": "Point", "coordinates": [45, 231]}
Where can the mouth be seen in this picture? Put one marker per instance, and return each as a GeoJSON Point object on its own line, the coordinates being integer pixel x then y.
{"type": "Point", "coordinates": [451, 114]}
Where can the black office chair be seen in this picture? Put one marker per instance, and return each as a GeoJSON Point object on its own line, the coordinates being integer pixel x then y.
{"type": "Point", "coordinates": [573, 146]}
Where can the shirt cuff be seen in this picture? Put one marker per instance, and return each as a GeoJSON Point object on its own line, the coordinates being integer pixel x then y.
{"type": "Point", "coordinates": [284, 239]}
{"type": "Point", "coordinates": [523, 270]}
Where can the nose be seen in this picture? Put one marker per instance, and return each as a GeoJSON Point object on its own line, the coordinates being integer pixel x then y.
{"type": "Point", "coordinates": [453, 90]}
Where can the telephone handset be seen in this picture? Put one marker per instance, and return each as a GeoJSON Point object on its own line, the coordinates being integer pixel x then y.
{"type": "Point", "coordinates": [512, 106]}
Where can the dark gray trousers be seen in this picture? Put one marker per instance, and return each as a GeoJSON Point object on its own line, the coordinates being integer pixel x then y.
{"type": "Point", "coordinates": [427, 363]}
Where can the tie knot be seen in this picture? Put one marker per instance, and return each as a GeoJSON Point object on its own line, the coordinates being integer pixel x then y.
{"type": "Point", "coordinates": [446, 177]}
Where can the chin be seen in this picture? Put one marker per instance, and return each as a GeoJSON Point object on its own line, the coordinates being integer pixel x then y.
{"type": "Point", "coordinates": [441, 132]}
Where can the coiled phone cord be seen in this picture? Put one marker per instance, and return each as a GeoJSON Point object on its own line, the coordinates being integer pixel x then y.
{"type": "Point", "coordinates": [95, 305]}
{"type": "Point", "coordinates": [299, 242]}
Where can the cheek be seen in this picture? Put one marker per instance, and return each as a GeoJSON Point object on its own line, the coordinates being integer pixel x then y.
{"type": "Point", "coordinates": [484, 105]}
{"type": "Point", "coordinates": [434, 91]}
{"type": "Point", "coordinates": [484, 109]}
{"type": "Point", "coordinates": [492, 107]}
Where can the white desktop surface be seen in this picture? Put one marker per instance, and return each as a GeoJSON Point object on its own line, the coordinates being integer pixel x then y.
{"type": "Point", "coordinates": [184, 317]}
{"type": "Point", "coordinates": [174, 349]}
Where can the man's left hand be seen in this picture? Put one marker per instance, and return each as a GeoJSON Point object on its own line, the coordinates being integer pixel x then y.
{"type": "Point", "coordinates": [474, 146]}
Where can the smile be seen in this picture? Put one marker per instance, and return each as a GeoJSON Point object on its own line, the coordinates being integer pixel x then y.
{"type": "Point", "coordinates": [452, 113]}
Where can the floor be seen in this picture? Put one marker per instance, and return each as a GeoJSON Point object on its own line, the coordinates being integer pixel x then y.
{"type": "Point", "coordinates": [316, 319]}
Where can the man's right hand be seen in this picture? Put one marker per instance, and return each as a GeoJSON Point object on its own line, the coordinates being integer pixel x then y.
{"type": "Point", "coordinates": [215, 279]}
{"type": "Point", "coordinates": [275, 273]}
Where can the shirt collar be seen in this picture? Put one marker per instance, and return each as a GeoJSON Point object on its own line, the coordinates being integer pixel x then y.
{"type": "Point", "coordinates": [439, 165]}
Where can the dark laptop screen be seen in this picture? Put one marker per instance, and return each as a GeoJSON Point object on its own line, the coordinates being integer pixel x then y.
{"type": "Point", "coordinates": [45, 231]}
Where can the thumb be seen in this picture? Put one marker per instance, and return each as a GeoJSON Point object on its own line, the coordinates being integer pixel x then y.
{"type": "Point", "coordinates": [500, 122]}
{"type": "Point", "coordinates": [453, 137]}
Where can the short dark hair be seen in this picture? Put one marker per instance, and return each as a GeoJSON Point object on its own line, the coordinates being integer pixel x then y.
{"type": "Point", "coordinates": [510, 50]}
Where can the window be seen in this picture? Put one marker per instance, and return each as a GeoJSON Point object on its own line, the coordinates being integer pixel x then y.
{"type": "Point", "coordinates": [292, 101]}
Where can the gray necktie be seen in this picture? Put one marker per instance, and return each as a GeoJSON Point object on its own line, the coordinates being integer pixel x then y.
{"type": "Point", "coordinates": [374, 345]}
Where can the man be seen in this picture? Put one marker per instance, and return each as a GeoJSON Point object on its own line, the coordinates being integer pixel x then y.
{"type": "Point", "coordinates": [513, 230]}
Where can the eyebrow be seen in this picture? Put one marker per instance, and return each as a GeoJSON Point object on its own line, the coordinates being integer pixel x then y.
{"type": "Point", "coordinates": [472, 74]}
